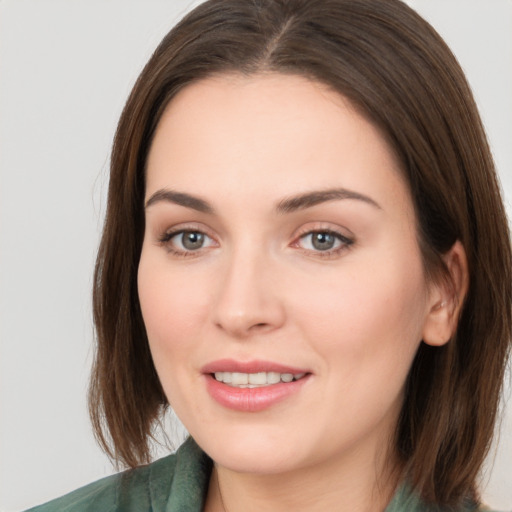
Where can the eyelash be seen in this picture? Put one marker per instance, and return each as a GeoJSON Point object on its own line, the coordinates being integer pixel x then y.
{"type": "Point", "coordinates": [166, 238]}
{"type": "Point", "coordinates": [345, 242]}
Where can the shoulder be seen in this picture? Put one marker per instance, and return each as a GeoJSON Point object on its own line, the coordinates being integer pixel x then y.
{"type": "Point", "coordinates": [140, 489]}
{"type": "Point", "coordinates": [109, 494]}
{"type": "Point", "coordinates": [100, 495]}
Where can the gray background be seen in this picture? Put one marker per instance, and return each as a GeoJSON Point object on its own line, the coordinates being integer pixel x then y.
{"type": "Point", "coordinates": [66, 67]}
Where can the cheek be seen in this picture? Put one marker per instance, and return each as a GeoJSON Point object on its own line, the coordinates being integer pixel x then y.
{"type": "Point", "coordinates": [366, 329]}
{"type": "Point", "coordinates": [371, 314]}
{"type": "Point", "coordinates": [173, 305]}
{"type": "Point", "coordinates": [174, 311]}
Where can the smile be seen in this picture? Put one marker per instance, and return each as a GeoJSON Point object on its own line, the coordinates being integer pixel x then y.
{"type": "Point", "coordinates": [255, 380]}
{"type": "Point", "coordinates": [253, 386]}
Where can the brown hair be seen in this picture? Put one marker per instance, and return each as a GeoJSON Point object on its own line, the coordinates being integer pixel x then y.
{"type": "Point", "coordinates": [397, 70]}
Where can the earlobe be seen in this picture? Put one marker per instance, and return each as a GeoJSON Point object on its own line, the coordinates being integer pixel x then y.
{"type": "Point", "coordinates": [446, 298]}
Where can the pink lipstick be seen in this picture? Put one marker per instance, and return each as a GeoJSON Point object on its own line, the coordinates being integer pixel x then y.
{"type": "Point", "coordinates": [254, 385]}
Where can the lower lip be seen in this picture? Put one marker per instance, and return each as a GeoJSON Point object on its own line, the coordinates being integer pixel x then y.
{"type": "Point", "coordinates": [252, 399]}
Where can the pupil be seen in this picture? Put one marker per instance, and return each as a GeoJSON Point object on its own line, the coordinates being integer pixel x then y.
{"type": "Point", "coordinates": [192, 240]}
{"type": "Point", "coordinates": [323, 241]}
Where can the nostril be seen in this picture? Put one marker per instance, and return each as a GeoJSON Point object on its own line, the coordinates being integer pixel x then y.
{"type": "Point", "coordinates": [259, 326]}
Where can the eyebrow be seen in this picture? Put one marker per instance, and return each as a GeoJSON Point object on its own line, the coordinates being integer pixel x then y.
{"type": "Point", "coordinates": [288, 205]}
{"type": "Point", "coordinates": [181, 199]}
{"type": "Point", "coordinates": [310, 199]}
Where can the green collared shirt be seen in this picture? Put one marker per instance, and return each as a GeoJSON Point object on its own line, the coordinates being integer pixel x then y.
{"type": "Point", "coordinates": [177, 483]}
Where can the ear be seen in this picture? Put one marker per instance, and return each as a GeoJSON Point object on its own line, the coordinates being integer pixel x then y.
{"type": "Point", "coordinates": [446, 298]}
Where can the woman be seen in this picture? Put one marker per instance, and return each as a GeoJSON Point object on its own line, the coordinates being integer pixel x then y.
{"type": "Point", "coordinates": [306, 256]}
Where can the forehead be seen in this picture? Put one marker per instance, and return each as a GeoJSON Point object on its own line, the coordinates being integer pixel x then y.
{"type": "Point", "coordinates": [275, 133]}
{"type": "Point", "coordinates": [286, 105]}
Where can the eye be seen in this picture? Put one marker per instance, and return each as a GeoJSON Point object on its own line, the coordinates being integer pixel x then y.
{"type": "Point", "coordinates": [184, 242]}
{"type": "Point", "coordinates": [190, 240]}
{"type": "Point", "coordinates": [324, 241]}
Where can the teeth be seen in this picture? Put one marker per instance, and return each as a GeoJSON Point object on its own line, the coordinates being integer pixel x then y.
{"type": "Point", "coordinates": [239, 378]}
{"type": "Point", "coordinates": [273, 377]}
{"type": "Point", "coordinates": [258, 378]}
{"type": "Point", "coordinates": [254, 380]}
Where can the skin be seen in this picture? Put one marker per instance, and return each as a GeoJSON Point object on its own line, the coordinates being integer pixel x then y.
{"type": "Point", "coordinates": [259, 289]}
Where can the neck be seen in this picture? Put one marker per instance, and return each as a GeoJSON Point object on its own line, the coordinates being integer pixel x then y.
{"type": "Point", "coordinates": [354, 485]}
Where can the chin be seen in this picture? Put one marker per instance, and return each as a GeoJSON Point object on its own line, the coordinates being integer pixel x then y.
{"type": "Point", "coordinates": [256, 462]}
{"type": "Point", "coordinates": [255, 452]}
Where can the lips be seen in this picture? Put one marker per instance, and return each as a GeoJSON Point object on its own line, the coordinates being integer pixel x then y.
{"type": "Point", "coordinates": [230, 365]}
{"type": "Point", "coordinates": [252, 386]}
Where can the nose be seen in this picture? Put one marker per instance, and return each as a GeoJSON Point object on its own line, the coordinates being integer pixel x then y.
{"type": "Point", "coordinates": [249, 300]}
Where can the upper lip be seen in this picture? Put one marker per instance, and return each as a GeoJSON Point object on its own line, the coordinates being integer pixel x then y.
{"type": "Point", "coordinates": [254, 366]}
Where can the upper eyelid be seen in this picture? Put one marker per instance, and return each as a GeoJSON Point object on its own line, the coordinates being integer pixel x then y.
{"type": "Point", "coordinates": [323, 230]}
{"type": "Point", "coordinates": [171, 233]}
{"type": "Point", "coordinates": [323, 226]}
{"type": "Point", "coordinates": [180, 227]}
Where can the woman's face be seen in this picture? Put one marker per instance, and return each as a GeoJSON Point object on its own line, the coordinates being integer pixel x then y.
{"type": "Point", "coordinates": [280, 243]}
